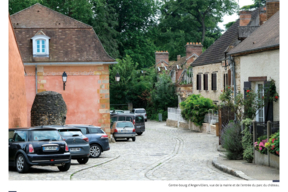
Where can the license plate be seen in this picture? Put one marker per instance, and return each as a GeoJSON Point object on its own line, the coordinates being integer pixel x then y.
{"type": "Point", "coordinates": [50, 148]}
{"type": "Point", "coordinates": [75, 149]}
{"type": "Point", "coordinates": [138, 126]}
{"type": "Point", "coordinates": [124, 131]}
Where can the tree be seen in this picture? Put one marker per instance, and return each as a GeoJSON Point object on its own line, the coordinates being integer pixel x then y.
{"type": "Point", "coordinates": [184, 21]}
{"type": "Point", "coordinates": [256, 4]}
{"type": "Point", "coordinates": [228, 25]}
{"type": "Point", "coordinates": [18, 5]}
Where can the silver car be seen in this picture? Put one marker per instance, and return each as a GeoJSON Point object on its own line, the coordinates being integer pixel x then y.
{"type": "Point", "coordinates": [123, 129]}
{"type": "Point", "coordinates": [140, 111]}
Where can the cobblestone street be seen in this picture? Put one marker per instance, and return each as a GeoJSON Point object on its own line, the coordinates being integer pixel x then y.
{"type": "Point", "coordinates": [160, 153]}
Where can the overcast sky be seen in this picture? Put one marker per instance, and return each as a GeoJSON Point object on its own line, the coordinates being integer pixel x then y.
{"type": "Point", "coordinates": [234, 17]}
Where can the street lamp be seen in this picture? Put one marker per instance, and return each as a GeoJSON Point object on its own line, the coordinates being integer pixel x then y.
{"type": "Point", "coordinates": [117, 77]}
{"type": "Point", "coordinates": [64, 78]}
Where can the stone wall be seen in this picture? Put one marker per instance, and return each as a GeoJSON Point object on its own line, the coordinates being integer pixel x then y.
{"type": "Point", "coordinates": [49, 108]}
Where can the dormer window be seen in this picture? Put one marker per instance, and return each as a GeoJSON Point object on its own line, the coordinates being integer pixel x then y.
{"type": "Point", "coordinates": [40, 44]}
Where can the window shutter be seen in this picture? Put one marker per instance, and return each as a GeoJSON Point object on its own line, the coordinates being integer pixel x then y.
{"type": "Point", "coordinates": [268, 108]}
{"type": "Point", "coordinates": [247, 85]}
{"type": "Point", "coordinates": [226, 79]}
{"type": "Point", "coordinates": [229, 77]}
{"type": "Point", "coordinates": [214, 81]}
{"type": "Point", "coordinates": [200, 82]}
{"type": "Point", "coordinates": [224, 82]}
{"type": "Point", "coordinates": [206, 81]}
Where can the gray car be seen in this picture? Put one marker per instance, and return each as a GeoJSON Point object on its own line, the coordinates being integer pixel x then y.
{"type": "Point", "coordinates": [137, 120]}
{"type": "Point", "coordinates": [78, 143]}
{"type": "Point", "coordinates": [140, 111]}
{"type": "Point", "coordinates": [98, 139]}
{"type": "Point", "coordinates": [123, 129]}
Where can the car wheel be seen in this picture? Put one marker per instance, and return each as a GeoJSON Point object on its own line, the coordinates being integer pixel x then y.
{"type": "Point", "coordinates": [64, 167]}
{"type": "Point", "coordinates": [133, 138]}
{"type": "Point", "coordinates": [83, 160]}
{"type": "Point", "coordinates": [140, 133]}
{"type": "Point", "coordinates": [95, 150]}
{"type": "Point", "coordinates": [21, 164]}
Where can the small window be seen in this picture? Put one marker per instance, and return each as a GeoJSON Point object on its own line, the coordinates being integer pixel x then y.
{"type": "Point", "coordinates": [20, 135]}
{"type": "Point", "coordinates": [40, 44]}
{"type": "Point", "coordinates": [96, 130]}
{"type": "Point", "coordinates": [139, 119]}
{"type": "Point", "coordinates": [129, 119]}
{"type": "Point", "coordinates": [121, 118]}
{"type": "Point", "coordinates": [140, 111]}
{"type": "Point", "coordinates": [83, 130]}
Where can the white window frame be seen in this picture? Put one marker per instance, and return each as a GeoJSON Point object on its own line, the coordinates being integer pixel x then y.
{"type": "Point", "coordinates": [262, 109]}
{"type": "Point", "coordinates": [34, 44]}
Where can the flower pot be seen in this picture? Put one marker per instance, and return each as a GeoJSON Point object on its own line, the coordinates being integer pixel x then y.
{"type": "Point", "coordinates": [261, 159]}
{"type": "Point", "coordinates": [274, 161]}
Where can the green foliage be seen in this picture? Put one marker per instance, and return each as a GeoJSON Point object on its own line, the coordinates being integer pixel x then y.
{"type": "Point", "coordinates": [228, 25]}
{"type": "Point", "coordinates": [252, 104]}
{"type": "Point", "coordinates": [162, 96]}
{"type": "Point", "coordinates": [232, 138]}
{"type": "Point", "coordinates": [256, 4]}
{"type": "Point", "coordinates": [183, 21]}
{"type": "Point", "coordinates": [18, 5]}
{"type": "Point", "coordinates": [195, 107]}
{"type": "Point", "coordinates": [247, 141]}
{"type": "Point", "coordinates": [273, 145]}
{"type": "Point", "coordinates": [134, 86]}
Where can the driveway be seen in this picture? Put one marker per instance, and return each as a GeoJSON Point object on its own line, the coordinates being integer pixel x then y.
{"type": "Point", "coordinates": [160, 153]}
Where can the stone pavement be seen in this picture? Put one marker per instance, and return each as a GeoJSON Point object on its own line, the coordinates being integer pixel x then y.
{"type": "Point", "coordinates": [248, 171]}
{"type": "Point", "coordinates": [160, 153]}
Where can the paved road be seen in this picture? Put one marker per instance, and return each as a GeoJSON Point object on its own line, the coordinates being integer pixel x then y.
{"type": "Point", "coordinates": [160, 153]}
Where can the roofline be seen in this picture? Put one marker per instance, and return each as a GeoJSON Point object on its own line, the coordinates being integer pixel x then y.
{"type": "Point", "coordinates": [69, 63]}
{"type": "Point", "coordinates": [52, 10]}
{"type": "Point", "coordinates": [210, 63]}
{"type": "Point", "coordinates": [260, 49]}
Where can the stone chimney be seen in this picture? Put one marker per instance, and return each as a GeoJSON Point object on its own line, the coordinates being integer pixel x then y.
{"type": "Point", "coordinates": [178, 57]}
{"type": "Point", "coordinates": [272, 7]}
{"type": "Point", "coordinates": [245, 17]}
{"type": "Point", "coordinates": [193, 48]}
{"type": "Point", "coordinates": [161, 55]}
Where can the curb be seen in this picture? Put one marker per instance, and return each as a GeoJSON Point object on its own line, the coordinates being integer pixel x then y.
{"type": "Point", "coordinates": [229, 170]}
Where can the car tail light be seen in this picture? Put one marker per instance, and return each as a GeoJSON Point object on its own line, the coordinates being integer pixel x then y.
{"type": "Point", "coordinates": [66, 147]}
{"type": "Point", "coordinates": [86, 139]}
{"type": "Point", "coordinates": [115, 131]}
{"type": "Point", "coordinates": [133, 130]}
{"type": "Point", "coordinates": [31, 149]}
{"type": "Point", "coordinates": [104, 136]}
{"type": "Point", "coordinates": [133, 121]}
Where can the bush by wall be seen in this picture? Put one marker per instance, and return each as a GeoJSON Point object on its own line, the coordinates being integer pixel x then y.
{"type": "Point", "coordinates": [247, 141]}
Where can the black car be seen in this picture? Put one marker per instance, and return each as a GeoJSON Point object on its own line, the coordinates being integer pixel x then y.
{"type": "Point", "coordinates": [34, 146]}
{"type": "Point", "coordinates": [98, 139]}
{"type": "Point", "coordinates": [137, 120]}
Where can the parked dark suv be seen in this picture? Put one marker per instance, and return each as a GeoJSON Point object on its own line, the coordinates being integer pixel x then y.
{"type": "Point", "coordinates": [98, 139]}
{"type": "Point", "coordinates": [137, 120]}
{"type": "Point", "coordinates": [34, 146]}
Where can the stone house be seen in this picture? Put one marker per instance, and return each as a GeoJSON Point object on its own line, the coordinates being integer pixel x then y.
{"type": "Point", "coordinates": [211, 72]}
{"type": "Point", "coordinates": [257, 60]}
{"type": "Point", "coordinates": [180, 70]}
{"type": "Point", "coordinates": [50, 44]}
{"type": "Point", "coordinates": [17, 89]}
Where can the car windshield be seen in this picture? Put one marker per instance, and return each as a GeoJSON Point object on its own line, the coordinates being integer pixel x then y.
{"type": "Point", "coordinates": [140, 111]}
{"type": "Point", "coordinates": [70, 133]}
{"type": "Point", "coordinates": [47, 135]}
{"type": "Point", "coordinates": [124, 124]}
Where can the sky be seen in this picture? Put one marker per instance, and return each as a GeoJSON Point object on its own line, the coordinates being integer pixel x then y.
{"type": "Point", "coordinates": [234, 17]}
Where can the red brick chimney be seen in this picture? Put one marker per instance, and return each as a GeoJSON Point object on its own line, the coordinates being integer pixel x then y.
{"type": "Point", "coordinates": [193, 48]}
{"type": "Point", "coordinates": [272, 7]}
{"type": "Point", "coordinates": [245, 17]}
{"type": "Point", "coordinates": [161, 55]}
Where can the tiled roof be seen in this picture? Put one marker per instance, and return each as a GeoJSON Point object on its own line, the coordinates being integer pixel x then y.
{"type": "Point", "coordinates": [215, 53]}
{"type": "Point", "coordinates": [70, 40]}
{"type": "Point", "coordinates": [266, 36]}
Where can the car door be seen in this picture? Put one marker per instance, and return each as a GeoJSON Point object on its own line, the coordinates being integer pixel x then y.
{"type": "Point", "coordinates": [19, 142]}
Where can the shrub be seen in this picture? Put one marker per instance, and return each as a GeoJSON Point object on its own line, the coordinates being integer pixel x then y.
{"type": "Point", "coordinates": [273, 144]}
{"type": "Point", "coordinates": [247, 141]}
{"type": "Point", "coordinates": [231, 137]}
{"type": "Point", "coordinates": [260, 144]}
{"type": "Point", "coordinates": [195, 107]}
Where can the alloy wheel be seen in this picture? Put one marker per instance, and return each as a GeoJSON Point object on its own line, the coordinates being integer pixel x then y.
{"type": "Point", "coordinates": [95, 151]}
{"type": "Point", "coordinates": [20, 163]}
